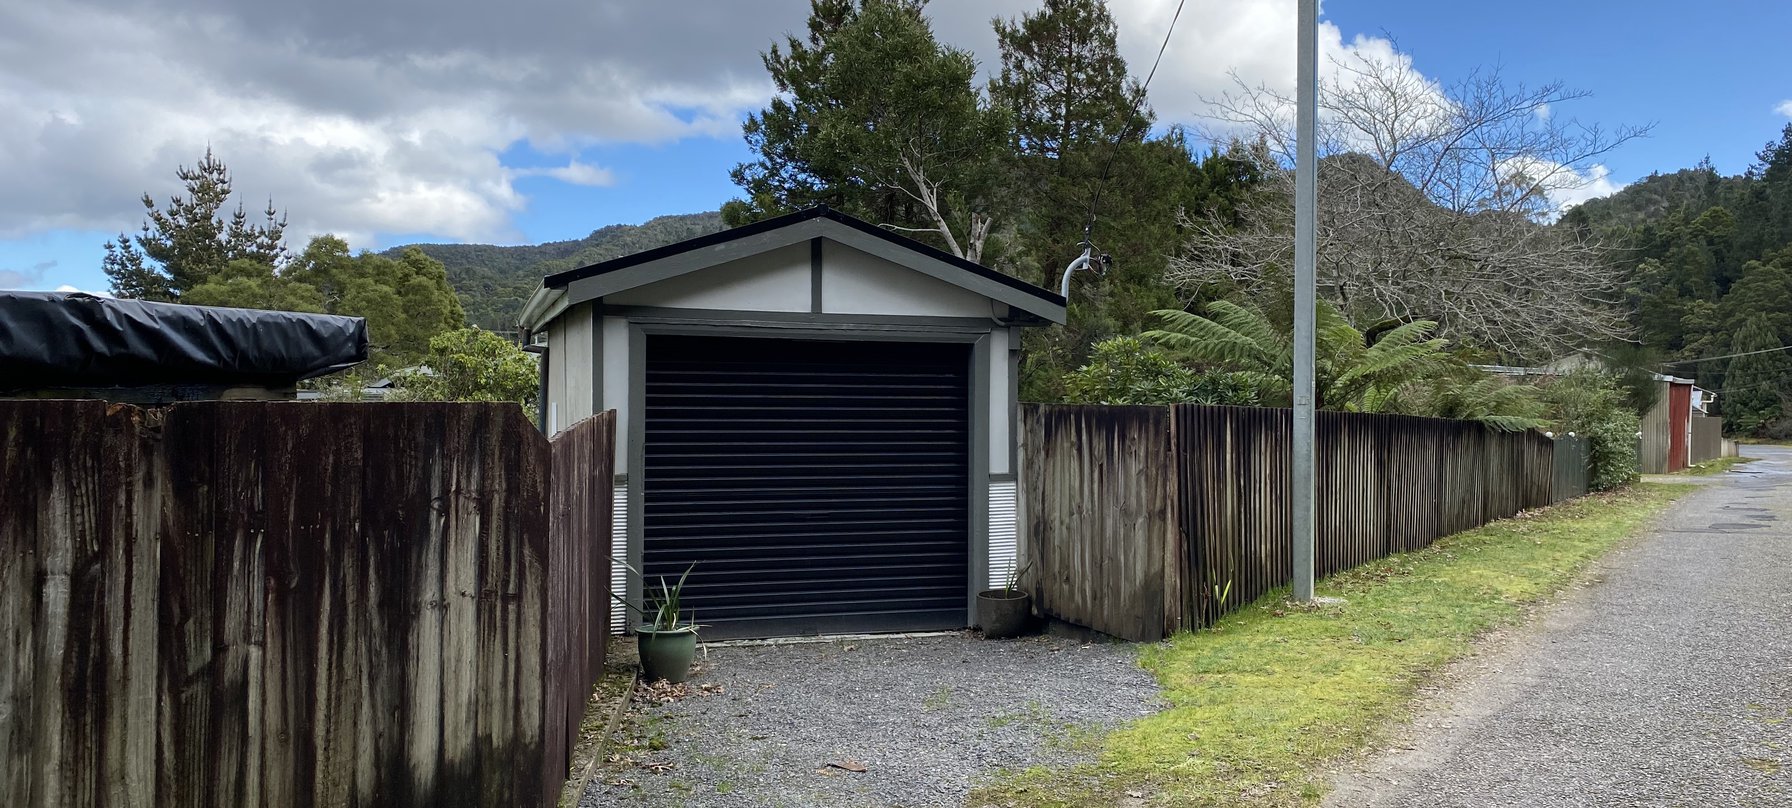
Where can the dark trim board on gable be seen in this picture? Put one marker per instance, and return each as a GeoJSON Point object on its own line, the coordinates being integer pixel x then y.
{"type": "Point", "coordinates": [562, 280]}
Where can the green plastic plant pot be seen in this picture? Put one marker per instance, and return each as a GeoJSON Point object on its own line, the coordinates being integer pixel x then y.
{"type": "Point", "coordinates": [667, 654]}
{"type": "Point", "coordinates": [1003, 613]}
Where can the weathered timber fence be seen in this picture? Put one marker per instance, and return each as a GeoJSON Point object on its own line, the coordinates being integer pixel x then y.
{"type": "Point", "coordinates": [578, 615]}
{"type": "Point", "coordinates": [1141, 521]}
{"type": "Point", "coordinates": [1707, 442]}
{"type": "Point", "coordinates": [1573, 468]}
{"type": "Point", "coordinates": [579, 572]}
{"type": "Point", "coordinates": [237, 603]}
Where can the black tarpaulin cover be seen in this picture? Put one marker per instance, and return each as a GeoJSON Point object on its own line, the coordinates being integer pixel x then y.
{"type": "Point", "coordinates": [73, 339]}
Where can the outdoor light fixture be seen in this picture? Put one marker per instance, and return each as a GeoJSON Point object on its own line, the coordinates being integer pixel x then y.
{"type": "Point", "coordinates": [1087, 261]}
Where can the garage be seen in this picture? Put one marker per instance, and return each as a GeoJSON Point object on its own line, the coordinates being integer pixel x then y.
{"type": "Point", "coordinates": [811, 487]}
{"type": "Point", "coordinates": [815, 416]}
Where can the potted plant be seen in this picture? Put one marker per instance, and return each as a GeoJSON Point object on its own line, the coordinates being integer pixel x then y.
{"type": "Point", "coordinates": [1004, 612]}
{"type": "Point", "coordinates": [667, 645]}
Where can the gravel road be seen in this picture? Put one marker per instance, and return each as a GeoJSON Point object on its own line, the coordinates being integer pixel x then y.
{"type": "Point", "coordinates": [1665, 681]}
{"type": "Point", "coordinates": [925, 716]}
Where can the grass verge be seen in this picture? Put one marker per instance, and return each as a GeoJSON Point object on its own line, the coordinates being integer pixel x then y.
{"type": "Point", "coordinates": [1717, 466]}
{"type": "Point", "coordinates": [1262, 704]}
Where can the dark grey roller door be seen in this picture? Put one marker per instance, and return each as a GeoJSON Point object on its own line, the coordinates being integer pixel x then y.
{"type": "Point", "coordinates": [818, 486]}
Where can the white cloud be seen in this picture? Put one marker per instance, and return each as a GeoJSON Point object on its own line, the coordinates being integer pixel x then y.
{"type": "Point", "coordinates": [67, 288]}
{"type": "Point", "coordinates": [22, 278]}
{"type": "Point", "coordinates": [359, 118]}
{"type": "Point", "coordinates": [1784, 108]}
{"type": "Point", "coordinates": [1593, 183]}
{"type": "Point", "coordinates": [1215, 39]}
{"type": "Point", "coordinates": [1563, 185]}
{"type": "Point", "coordinates": [573, 173]}
{"type": "Point", "coordinates": [368, 118]}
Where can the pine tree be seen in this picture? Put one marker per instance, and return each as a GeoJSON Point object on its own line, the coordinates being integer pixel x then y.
{"type": "Point", "coordinates": [1756, 384]}
{"type": "Point", "coordinates": [876, 118]}
{"type": "Point", "coordinates": [1085, 164]}
{"type": "Point", "coordinates": [188, 243]}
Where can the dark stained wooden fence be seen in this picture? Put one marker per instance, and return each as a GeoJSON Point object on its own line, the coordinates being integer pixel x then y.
{"type": "Point", "coordinates": [1100, 515]}
{"type": "Point", "coordinates": [578, 614]}
{"type": "Point", "coordinates": [1573, 468]}
{"type": "Point", "coordinates": [1142, 521]}
{"type": "Point", "coordinates": [234, 603]}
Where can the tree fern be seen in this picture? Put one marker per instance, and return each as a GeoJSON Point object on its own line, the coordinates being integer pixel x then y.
{"type": "Point", "coordinates": [1405, 369]}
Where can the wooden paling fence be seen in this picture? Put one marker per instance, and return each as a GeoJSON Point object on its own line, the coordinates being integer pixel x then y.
{"type": "Point", "coordinates": [248, 603]}
{"type": "Point", "coordinates": [1573, 468]}
{"type": "Point", "coordinates": [1707, 439]}
{"type": "Point", "coordinates": [1141, 521]}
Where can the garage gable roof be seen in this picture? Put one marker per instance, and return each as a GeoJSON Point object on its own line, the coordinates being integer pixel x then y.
{"type": "Point", "coordinates": [703, 252]}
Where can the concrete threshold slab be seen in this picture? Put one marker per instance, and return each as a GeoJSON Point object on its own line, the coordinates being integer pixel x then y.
{"type": "Point", "coordinates": [820, 638]}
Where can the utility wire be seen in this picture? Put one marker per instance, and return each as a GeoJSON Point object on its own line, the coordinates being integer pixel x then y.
{"type": "Point", "coordinates": [1728, 356]}
{"type": "Point", "coordinates": [1095, 202]}
{"type": "Point", "coordinates": [1755, 386]}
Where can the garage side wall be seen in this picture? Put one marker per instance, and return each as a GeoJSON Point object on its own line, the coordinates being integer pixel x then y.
{"type": "Point", "coordinates": [570, 389]}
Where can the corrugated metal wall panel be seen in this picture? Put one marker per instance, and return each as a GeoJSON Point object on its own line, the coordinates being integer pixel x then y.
{"type": "Point", "coordinates": [815, 486]}
{"type": "Point", "coordinates": [618, 550]}
{"type": "Point", "coordinates": [1003, 548]}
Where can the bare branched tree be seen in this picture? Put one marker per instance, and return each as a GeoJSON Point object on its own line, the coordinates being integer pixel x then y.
{"type": "Point", "coordinates": [917, 184]}
{"type": "Point", "coordinates": [1435, 203]}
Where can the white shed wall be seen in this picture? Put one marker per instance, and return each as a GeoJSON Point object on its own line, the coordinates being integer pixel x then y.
{"type": "Point", "coordinates": [854, 282]}
{"type": "Point", "coordinates": [569, 375]}
{"type": "Point", "coordinates": [1001, 408]}
{"type": "Point", "coordinates": [778, 280]}
{"type": "Point", "coordinates": [616, 378]}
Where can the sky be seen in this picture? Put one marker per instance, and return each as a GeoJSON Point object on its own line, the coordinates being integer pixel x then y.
{"type": "Point", "coordinates": [521, 122]}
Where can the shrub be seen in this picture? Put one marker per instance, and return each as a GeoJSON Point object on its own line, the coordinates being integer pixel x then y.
{"type": "Point", "coordinates": [1592, 405]}
{"type": "Point", "coordinates": [1124, 370]}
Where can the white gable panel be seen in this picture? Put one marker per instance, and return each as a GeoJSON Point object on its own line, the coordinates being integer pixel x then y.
{"type": "Point", "coordinates": [855, 282]}
{"type": "Point", "coordinates": [778, 280]}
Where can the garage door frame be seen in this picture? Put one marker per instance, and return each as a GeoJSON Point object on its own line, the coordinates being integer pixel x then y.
{"type": "Point", "coordinates": [642, 325]}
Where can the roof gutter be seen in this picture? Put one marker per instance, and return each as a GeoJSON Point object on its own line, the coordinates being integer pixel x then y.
{"type": "Point", "coordinates": [544, 305]}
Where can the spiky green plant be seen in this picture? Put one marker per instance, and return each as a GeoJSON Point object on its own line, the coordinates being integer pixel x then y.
{"type": "Point", "coordinates": [1471, 395]}
{"type": "Point", "coordinates": [1350, 372]}
{"type": "Point", "coordinates": [660, 607]}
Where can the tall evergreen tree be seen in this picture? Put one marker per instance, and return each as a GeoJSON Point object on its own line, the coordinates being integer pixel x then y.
{"type": "Point", "coordinates": [1082, 156]}
{"type": "Point", "coordinates": [1065, 82]}
{"type": "Point", "coordinates": [877, 118]}
{"type": "Point", "coordinates": [189, 242]}
{"type": "Point", "coordinates": [1757, 382]}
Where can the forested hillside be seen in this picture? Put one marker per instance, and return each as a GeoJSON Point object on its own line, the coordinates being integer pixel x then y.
{"type": "Point", "coordinates": [493, 282]}
{"type": "Point", "coordinates": [1708, 263]}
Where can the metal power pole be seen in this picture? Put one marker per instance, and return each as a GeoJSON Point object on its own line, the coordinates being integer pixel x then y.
{"type": "Point", "coordinates": [1306, 195]}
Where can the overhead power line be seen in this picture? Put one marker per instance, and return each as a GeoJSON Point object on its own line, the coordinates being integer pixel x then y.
{"type": "Point", "coordinates": [1095, 202]}
{"type": "Point", "coordinates": [1165, 46]}
{"type": "Point", "coordinates": [1728, 356]}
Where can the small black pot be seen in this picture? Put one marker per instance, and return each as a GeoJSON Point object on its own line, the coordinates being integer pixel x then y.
{"type": "Point", "coordinates": [1003, 613]}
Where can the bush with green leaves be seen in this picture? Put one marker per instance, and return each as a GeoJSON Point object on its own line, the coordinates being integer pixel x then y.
{"type": "Point", "coordinates": [1124, 370]}
{"type": "Point", "coordinates": [1592, 405]}
{"type": "Point", "coordinates": [472, 364]}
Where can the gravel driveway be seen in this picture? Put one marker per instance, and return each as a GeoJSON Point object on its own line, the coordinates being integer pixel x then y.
{"type": "Point", "coordinates": [1666, 681]}
{"type": "Point", "coordinates": [925, 717]}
